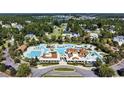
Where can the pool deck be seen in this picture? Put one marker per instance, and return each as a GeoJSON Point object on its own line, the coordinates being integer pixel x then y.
{"type": "Point", "coordinates": [60, 49]}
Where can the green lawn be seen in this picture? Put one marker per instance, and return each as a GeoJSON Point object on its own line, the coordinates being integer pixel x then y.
{"type": "Point", "coordinates": [64, 69]}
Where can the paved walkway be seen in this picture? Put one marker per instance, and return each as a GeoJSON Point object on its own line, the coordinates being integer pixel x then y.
{"type": "Point", "coordinates": [62, 63]}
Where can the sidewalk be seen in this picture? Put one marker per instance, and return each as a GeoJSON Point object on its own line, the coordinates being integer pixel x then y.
{"type": "Point", "coordinates": [3, 74]}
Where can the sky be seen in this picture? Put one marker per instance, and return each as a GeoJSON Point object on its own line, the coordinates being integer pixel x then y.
{"type": "Point", "coordinates": [61, 85]}
{"type": "Point", "coordinates": [61, 6]}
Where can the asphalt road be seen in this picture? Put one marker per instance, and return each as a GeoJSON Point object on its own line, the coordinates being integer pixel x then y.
{"type": "Point", "coordinates": [3, 75]}
{"type": "Point", "coordinates": [63, 74]}
{"type": "Point", "coordinates": [40, 72]}
{"type": "Point", "coordinates": [79, 71]}
{"type": "Point", "coordinates": [9, 61]}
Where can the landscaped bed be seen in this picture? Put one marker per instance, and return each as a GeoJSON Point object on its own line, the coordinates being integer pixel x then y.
{"type": "Point", "coordinates": [63, 72]}
{"type": "Point", "coordinates": [64, 69]}
{"type": "Point", "coordinates": [49, 64]}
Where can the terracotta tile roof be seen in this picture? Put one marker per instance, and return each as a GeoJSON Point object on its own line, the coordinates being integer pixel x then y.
{"type": "Point", "coordinates": [22, 48]}
{"type": "Point", "coordinates": [72, 50]}
{"type": "Point", "coordinates": [82, 52]}
{"type": "Point", "coordinates": [53, 55]}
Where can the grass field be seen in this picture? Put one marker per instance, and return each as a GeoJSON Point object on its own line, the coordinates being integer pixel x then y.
{"type": "Point", "coordinates": [64, 69]}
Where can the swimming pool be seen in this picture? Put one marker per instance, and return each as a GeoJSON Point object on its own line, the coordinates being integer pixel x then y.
{"type": "Point", "coordinates": [33, 54]}
{"type": "Point", "coordinates": [38, 51]}
{"type": "Point", "coordinates": [62, 48]}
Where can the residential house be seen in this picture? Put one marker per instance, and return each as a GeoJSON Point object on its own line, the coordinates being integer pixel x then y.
{"type": "Point", "coordinates": [16, 25]}
{"type": "Point", "coordinates": [28, 21]}
{"type": "Point", "coordinates": [6, 26]}
{"type": "Point", "coordinates": [119, 39]}
{"type": "Point", "coordinates": [70, 34]}
{"type": "Point", "coordinates": [31, 37]}
{"type": "Point", "coordinates": [93, 36]}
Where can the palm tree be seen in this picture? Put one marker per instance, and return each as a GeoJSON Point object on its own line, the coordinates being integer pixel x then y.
{"type": "Point", "coordinates": [105, 71]}
{"type": "Point", "coordinates": [23, 70]}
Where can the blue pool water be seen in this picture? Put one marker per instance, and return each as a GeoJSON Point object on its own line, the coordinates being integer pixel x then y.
{"type": "Point", "coordinates": [41, 49]}
{"type": "Point", "coordinates": [61, 51]}
{"type": "Point", "coordinates": [34, 54]}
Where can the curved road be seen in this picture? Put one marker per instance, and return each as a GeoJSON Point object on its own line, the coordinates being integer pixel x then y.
{"type": "Point", "coordinates": [118, 66]}
{"type": "Point", "coordinates": [41, 72]}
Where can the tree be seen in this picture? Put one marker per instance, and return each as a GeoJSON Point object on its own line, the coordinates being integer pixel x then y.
{"type": "Point", "coordinates": [23, 70]}
{"type": "Point", "coordinates": [67, 39]}
{"type": "Point", "coordinates": [98, 63]}
{"type": "Point", "coordinates": [99, 25]}
{"type": "Point", "coordinates": [11, 71]}
{"type": "Point", "coordinates": [33, 42]}
{"type": "Point", "coordinates": [53, 37]}
{"type": "Point", "coordinates": [33, 62]}
{"type": "Point", "coordinates": [3, 47]}
{"type": "Point", "coordinates": [45, 38]}
{"type": "Point", "coordinates": [108, 59]}
{"type": "Point", "coordinates": [16, 60]}
{"type": "Point", "coordinates": [56, 22]}
{"type": "Point", "coordinates": [1, 55]}
{"type": "Point", "coordinates": [2, 67]}
{"type": "Point", "coordinates": [11, 52]}
{"type": "Point", "coordinates": [74, 39]}
{"type": "Point", "coordinates": [59, 40]}
{"type": "Point", "coordinates": [105, 71]}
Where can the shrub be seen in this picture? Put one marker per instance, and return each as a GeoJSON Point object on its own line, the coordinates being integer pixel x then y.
{"type": "Point", "coordinates": [105, 71]}
{"type": "Point", "coordinates": [23, 70]}
{"type": "Point", "coordinates": [16, 60]}
{"type": "Point", "coordinates": [12, 71]}
{"type": "Point", "coordinates": [2, 67]}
